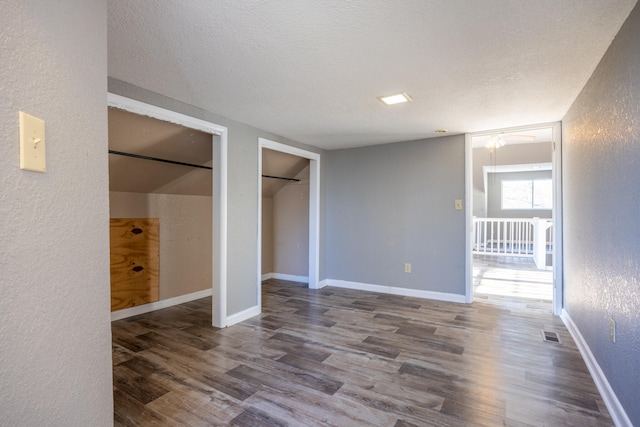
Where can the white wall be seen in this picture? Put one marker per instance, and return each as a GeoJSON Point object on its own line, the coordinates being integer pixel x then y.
{"type": "Point", "coordinates": [55, 328]}
{"type": "Point", "coordinates": [185, 237]}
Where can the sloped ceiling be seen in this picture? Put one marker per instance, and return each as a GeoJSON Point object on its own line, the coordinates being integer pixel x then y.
{"type": "Point", "coordinates": [146, 136]}
{"type": "Point", "coordinates": [276, 163]}
{"type": "Point", "coordinates": [311, 70]}
{"type": "Point", "coordinates": [135, 134]}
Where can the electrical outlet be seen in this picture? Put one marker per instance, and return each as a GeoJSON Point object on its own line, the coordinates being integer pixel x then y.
{"type": "Point", "coordinates": [407, 268]}
{"type": "Point", "coordinates": [612, 329]}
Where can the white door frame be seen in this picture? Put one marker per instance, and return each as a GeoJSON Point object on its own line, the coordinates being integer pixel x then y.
{"type": "Point", "coordinates": [219, 196]}
{"type": "Point", "coordinates": [556, 171]}
{"type": "Point", "coordinates": [314, 209]}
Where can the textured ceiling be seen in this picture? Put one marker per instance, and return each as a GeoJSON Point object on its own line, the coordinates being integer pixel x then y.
{"type": "Point", "coordinates": [310, 70]}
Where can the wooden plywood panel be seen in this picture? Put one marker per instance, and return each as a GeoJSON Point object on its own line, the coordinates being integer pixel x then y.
{"type": "Point", "coordinates": [135, 259]}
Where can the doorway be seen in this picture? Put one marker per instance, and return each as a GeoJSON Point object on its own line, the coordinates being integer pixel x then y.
{"type": "Point", "coordinates": [218, 192]}
{"type": "Point", "coordinates": [313, 273]}
{"type": "Point", "coordinates": [514, 251]}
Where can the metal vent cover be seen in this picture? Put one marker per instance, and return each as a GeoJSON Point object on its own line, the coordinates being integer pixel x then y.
{"type": "Point", "coordinates": [550, 336]}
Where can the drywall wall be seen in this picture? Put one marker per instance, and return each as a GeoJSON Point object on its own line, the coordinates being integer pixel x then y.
{"type": "Point", "coordinates": [601, 158]}
{"type": "Point", "coordinates": [494, 195]}
{"type": "Point", "coordinates": [242, 188]}
{"type": "Point", "coordinates": [515, 154]}
{"type": "Point", "coordinates": [291, 227]}
{"type": "Point", "coordinates": [267, 235]}
{"type": "Point", "coordinates": [55, 328]}
{"type": "Point", "coordinates": [185, 237]}
{"type": "Point", "coordinates": [394, 204]}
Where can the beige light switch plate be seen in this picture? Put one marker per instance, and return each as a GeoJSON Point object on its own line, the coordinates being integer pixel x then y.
{"type": "Point", "coordinates": [32, 143]}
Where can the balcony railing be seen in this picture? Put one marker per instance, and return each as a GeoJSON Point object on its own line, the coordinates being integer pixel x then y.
{"type": "Point", "coordinates": [522, 237]}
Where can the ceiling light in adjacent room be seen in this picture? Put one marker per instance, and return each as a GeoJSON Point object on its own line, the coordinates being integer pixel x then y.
{"type": "Point", "coordinates": [441, 131]}
{"type": "Point", "coordinates": [398, 98]}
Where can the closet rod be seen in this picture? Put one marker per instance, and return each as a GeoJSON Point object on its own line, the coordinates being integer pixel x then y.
{"type": "Point", "coordinates": [155, 159]}
{"type": "Point", "coordinates": [280, 177]}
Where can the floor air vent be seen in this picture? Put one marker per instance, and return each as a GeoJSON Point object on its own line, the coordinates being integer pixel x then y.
{"type": "Point", "coordinates": [550, 336]}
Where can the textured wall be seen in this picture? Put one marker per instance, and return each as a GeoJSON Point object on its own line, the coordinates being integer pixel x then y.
{"type": "Point", "coordinates": [55, 331]}
{"type": "Point", "coordinates": [185, 236]}
{"type": "Point", "coordinates": [601, 171]}
{"type": "Point", "coordinates": [242, 203]}
{"type": "Point", "coordinates": [392, 204]}
{"type": "Point", "coordinates": [291, 227]}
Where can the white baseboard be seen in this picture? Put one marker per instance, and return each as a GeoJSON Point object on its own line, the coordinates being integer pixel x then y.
{"type": "Point", "coordinates": [617, 412]}
{"type": "Point", "coordinates": [282, 276]}
{"type": "Point", "coordinates": [243, 315]}
{"type": "Point", "coordinates": [323, 283]}
{"type": "Point", "coordinates": [158, 305]}
{"type": "Point", "coordinates": [440, 296]}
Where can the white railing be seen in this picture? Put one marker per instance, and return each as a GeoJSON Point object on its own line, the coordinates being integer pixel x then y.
{"type": "Point", "coordinates": [523, 237]}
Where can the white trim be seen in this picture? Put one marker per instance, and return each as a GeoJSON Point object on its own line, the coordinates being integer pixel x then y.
{"type": "Point", "coordinates": [266, 276]}
{"type": "Point", "coordinates": [468, 217]}
{"type": "Point", "coordinates": [558, 251]}
{"type": "Point", "coordinates": [616, 411]}
{"type": "Point", "coordinates": [323, 283]}
{"type": "Point", "coordinates": [144, 109]}
{"type": "Point", "coordinates": [159, 305]}
{"type": "Point", "coordinates": [314, 213]}
{"type": "Point", "coordinates": [243, 315]}
{"type": "Point", "coordinates": [219, 196]}
{"type": "Point", "coordinates": [290, 277]}
{"type": "Point", "coordinates": [417, 293]}
{"type": "Point", "coordinates": [557, 208]}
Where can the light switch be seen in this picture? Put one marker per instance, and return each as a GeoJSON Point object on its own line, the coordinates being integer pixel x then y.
{"type": "Point", "coordinates": [458, 204]}
{"type": "Point", "coordinates": [32, 147]}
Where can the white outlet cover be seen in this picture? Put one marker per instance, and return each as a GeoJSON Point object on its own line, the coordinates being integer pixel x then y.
{"type": "Point", "coordinates": [32, 143]}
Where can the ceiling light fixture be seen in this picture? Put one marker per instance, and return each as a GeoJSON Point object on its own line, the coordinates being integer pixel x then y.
{"type": "Point", "coordinates": [495, 142]}
{"type": "Point", "coordinates": [441, 131]}
{"type": "Point", "coordinates": [398, 98]}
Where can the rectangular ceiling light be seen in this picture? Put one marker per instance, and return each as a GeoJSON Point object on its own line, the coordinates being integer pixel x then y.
{"type": "Point", "coordinates": [395, 99]}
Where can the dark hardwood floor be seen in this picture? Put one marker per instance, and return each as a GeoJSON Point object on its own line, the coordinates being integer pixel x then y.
{"type": "Point", "coordinates": [341, 357]}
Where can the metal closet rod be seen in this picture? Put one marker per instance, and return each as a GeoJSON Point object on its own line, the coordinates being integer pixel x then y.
{"type": "Point", "coordinates": [155, 159]}
{"type": "Point", "coordinates": [280, 177]}
{"type": "Point", "coordinates": [173, 162]}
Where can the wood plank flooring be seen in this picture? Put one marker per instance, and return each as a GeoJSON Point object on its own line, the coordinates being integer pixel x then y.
{"type": "Point", "coordinates": [339, 357]}
{"type": "Point", "coordinates": [512, 282]}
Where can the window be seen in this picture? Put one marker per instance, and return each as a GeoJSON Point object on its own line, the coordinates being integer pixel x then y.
{"type": "Point", "coordinates": [527, 194]}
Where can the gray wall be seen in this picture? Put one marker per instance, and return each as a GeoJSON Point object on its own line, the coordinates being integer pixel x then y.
{"type": "Point", "coordinates": [391, 204]}
{"type": "Point", "coordinates": [242, 214]}
{"type": "Point", "coordinates": [55, 330]}
{"type": "Point", "coordinates": [515, 154]}
{"type": "Point", "coordinates": [601, 176]}
{"type": "Point", "coordinates": [494, 195]}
